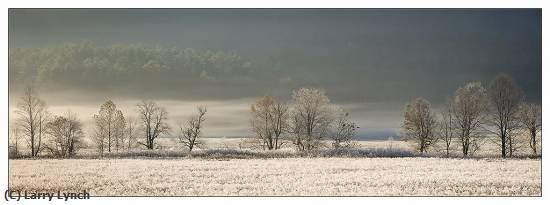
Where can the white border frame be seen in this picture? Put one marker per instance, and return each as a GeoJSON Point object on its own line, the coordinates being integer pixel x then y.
{"type": "Point", "coordinates": [282, 4]}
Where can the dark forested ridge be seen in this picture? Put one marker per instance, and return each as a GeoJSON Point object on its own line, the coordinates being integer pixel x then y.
{"type": "Point", "coordinates": [146, 71]}
{"type": "Point", "coordinates": [85, 64]}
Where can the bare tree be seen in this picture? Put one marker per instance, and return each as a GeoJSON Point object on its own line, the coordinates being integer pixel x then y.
{"type": "Point", "coordinates": [504, 100]}
{"type": "Point", "coordinates": [260, 121]}
{"type": "Point", "coordinates": [419, 124]}
{"type": "Point", "coordinates": [33, 119]}
{"type": "Point", "coordinates": [269, 121]}
{"type": "Point", "coordinates": [99, 139]}
{"type": "Point", "coordinates": [153, 119]}
{"type": "Point", "coordinates": [468, 110]}
{"type": "Point", "coordinates": [280, 115]}
{"type": "Point", "coordinates": [14, 142]}
{"type": "Point", "coordinates": [447, 128]}
{"type": "Point", "coordinates": [530, 116]}
{"type": "Point", "coordinates": [109, 126]}
{"type": "Point", "coordinates": [191, 132]}
{"type": "Point", "coordinates": [312, 115]}
{"type": "Point", "coordinates": [344, 132]}
{"type": "Point", "coordinates": [296, 130]}
{"type": "Point", "coordinates": [130, 132]}
{"type": "Point", "coordinates": [119, 129]}
{"type": "Point", "coordinates": [66, 134]}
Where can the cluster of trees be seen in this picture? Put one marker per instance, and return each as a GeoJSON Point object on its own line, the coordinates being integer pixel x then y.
{"type": "Point", "coordinates": [473, 113]}
{"type": "Point", "coordinates": [85, 63]}
{"type": "Point", "coordinates": [112, 128]}
{"type": "Point", "coordinates": [62, 135]}
{"type": "Point", "coordinates": [110, 124]}
{"type": "Point", "coordinates": [113, 131]}
{"type": "Point", "coordinates": [66, 135]}
{"type": "Point", "coordinates": [306, 121]}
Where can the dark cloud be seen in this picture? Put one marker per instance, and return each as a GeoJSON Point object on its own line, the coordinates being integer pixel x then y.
{"type": "Point", "coordinates": [359, 56]}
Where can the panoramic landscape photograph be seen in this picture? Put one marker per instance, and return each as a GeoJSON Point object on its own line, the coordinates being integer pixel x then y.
{"type": "Point", "coordinates": [274, 102]}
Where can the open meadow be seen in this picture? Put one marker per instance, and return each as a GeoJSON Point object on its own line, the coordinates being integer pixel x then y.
{"type": "Point", "coordinates": [281, 177]}
{"type": "Point", "coordinates": [226, 166]}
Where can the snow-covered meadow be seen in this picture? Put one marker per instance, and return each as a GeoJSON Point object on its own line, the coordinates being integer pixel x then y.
{"type": "Point", "coordinates": [286, 177]}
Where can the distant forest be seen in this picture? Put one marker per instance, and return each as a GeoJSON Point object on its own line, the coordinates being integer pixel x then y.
{"type": "Point", "coordinates": [85, 63]}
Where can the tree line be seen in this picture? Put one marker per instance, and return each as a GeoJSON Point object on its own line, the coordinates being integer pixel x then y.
{"type": "Point", "coordinates": [473, 113]}
{"type": "Point", "coordinates": [306, 121]}
{"type": "Point", "coordinates": [85, 63]}
{"type": "Point", "coordinates": [62, 135]}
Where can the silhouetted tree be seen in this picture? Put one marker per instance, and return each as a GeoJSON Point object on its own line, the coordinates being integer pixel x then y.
{"type": "Point", "coordinates": [33, 117]}
{"type": "Point", "coordinates": [66, 134]}
{"type": "Point", "coordinates": [468, 109]}
{"type": "Point", "coordinates": [419, 124]}
{"type": "Point", "coordinates": [191, 132]}
{"type": "Point", "coordinates": [504, 100]}
{"type": "Point", "coordinates": [344, 131]}
{"type": "Point", "coordinates": [153, 119]}
{"type": "Point", "coordinates": [447, 129]}
{"type": "Point", "coordinates": [530, 116]}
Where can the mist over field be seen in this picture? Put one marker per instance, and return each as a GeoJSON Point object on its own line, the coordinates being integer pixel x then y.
{"type": "Point", "coordinates": [369, 61]}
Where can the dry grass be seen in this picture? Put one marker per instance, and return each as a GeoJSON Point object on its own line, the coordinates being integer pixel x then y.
{"type": "Point", "coordinates": [241, 148]}
{"type": "Point", "coordinates": [288, 177]}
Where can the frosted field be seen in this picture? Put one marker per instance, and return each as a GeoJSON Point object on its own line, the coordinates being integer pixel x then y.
{"type": "Point", "coordinates": [488, 146]}
{"type": "Point", "coordinates": [288, 177]}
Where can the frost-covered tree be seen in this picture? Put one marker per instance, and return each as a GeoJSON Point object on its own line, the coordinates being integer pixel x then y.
{"type": "Point", "coordinates": [343, 131]}
{"type": "Point", "coordinates": [468, 109]}
{"type": "Point", "coordinates": [530, 116]}
{"type": "Point", "coordinates": [191, 131]}
{"type": "Point", "coordinates": [65, 135]}
{"type": "Point", "coordinates": [14, 141]}
{"type": "Point", "coordinates": [504, 99]}
{"type": "Point", "coordinates": [153, 120]}
{"type": "Point", "coordinates": [33, 117]}
{"type": "Point", "coordinates": [119, 131]}
{"type": "Point", "coordinates": [311, 115]}
{"type": "Point", "coordinates": [130, 133]}
{"type": "Point", "coordinates": [269, 121]}
{"type": "Point", "coordinates": [110, 125]}
{"type": "Point", "coordinates": [419, 124]}
{"type": "Point", "coordinates": [447, 129]}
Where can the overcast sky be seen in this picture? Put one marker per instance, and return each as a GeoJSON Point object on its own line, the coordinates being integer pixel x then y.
{"type": "Point", "coordinates": [371, 61]}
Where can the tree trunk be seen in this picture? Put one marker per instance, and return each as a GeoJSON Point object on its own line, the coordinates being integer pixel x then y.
{"type": "Point", "coordinates": [503, 145]}
{"type": "Point", "coordinates": [510, 146]}
{"type": "Point", "coordinates": [534, 140]}
{"type": "Point", "coordinates": [465, 146]}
